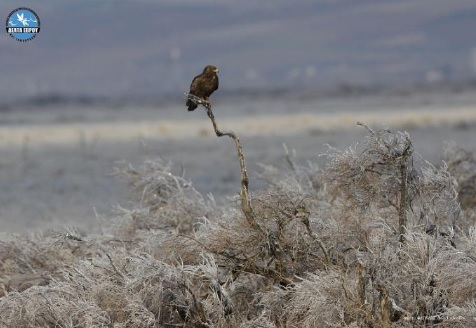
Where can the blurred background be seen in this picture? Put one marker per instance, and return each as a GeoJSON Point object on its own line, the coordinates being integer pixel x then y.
{"type": "Point", "coordinates": [103, 82]}
{"type": "Point", "coordinates": [136, 49]}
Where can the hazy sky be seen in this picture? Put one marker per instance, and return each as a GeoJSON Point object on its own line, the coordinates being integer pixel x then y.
{"type": "Point", "coordinates": [145, 47]}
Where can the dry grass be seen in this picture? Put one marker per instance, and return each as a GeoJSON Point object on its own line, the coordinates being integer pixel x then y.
{"type": "Point", "coordinates": [324, 252]}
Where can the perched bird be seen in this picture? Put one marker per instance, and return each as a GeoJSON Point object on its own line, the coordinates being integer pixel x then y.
{"type": "Point", "coordinates": [203, 85]}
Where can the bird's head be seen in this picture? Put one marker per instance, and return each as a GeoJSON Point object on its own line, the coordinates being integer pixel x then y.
{"type": "Point", "coordinates": [210, 69]}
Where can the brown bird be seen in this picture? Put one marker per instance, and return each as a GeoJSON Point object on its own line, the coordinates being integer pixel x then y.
{"type": "Point", "coordinates": [203, 85]}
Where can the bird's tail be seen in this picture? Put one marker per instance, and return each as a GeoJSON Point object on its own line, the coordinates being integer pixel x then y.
{"type": "Point", "coordinates": [191, 105]}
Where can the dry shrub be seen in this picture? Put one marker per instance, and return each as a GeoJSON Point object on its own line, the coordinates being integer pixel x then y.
{"type": "Point", "coordinates": [462, 165]}
{"type": "Point", "coordinates": [282, 248]}
{"type": "Point", "coordinates": [308, 303]}
{"type": "Point", "coordinates": [164, 200]}
{"type": "Point", "coordinates": [30, 261]}
{"type": "Point", "coordinates": [374, 279]}
{"type": "Point", "coordinates": [368, 179]}
{"type": "Point", "coordinates": [116, 288]}
{"type": "Point", "coordinates": [437, 199]}
{"type": "Point", "coordinates": [57, 305]}
{"type": "Point", "coordinates": [323, 249]}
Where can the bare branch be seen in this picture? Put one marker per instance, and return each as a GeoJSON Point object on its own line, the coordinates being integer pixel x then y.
{"type": "Point", "coordinates": [246, 205]}
{"type": "Point", "coordinates": [289, 157]}
{"type": "Point", "coordinates": [366, 126]}
{"type": "Point", "coordinates": [402, 212]}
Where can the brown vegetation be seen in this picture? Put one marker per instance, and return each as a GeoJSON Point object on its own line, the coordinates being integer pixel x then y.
{"type": "Point", "coordinates": [377, 238]}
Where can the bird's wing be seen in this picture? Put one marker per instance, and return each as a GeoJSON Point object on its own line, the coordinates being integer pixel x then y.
{"type": "Point", "coordinates": [217, 82]}
{"type": "Point", "coordinates": [195, 86]}
{"type": "Point", "coordinates": [210, 85]}
{"type": "Point", "coordinates": [20, 17]}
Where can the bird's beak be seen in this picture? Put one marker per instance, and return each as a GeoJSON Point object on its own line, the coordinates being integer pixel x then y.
{"type": "Point", "coordinates": [216, 70]}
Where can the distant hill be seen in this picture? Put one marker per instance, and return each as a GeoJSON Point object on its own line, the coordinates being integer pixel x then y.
{"type": "Point", "coordinates": [143, 48]}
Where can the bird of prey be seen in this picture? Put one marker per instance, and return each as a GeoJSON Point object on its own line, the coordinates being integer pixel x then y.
{"type": "Point", "coordinates": [203, 86]}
